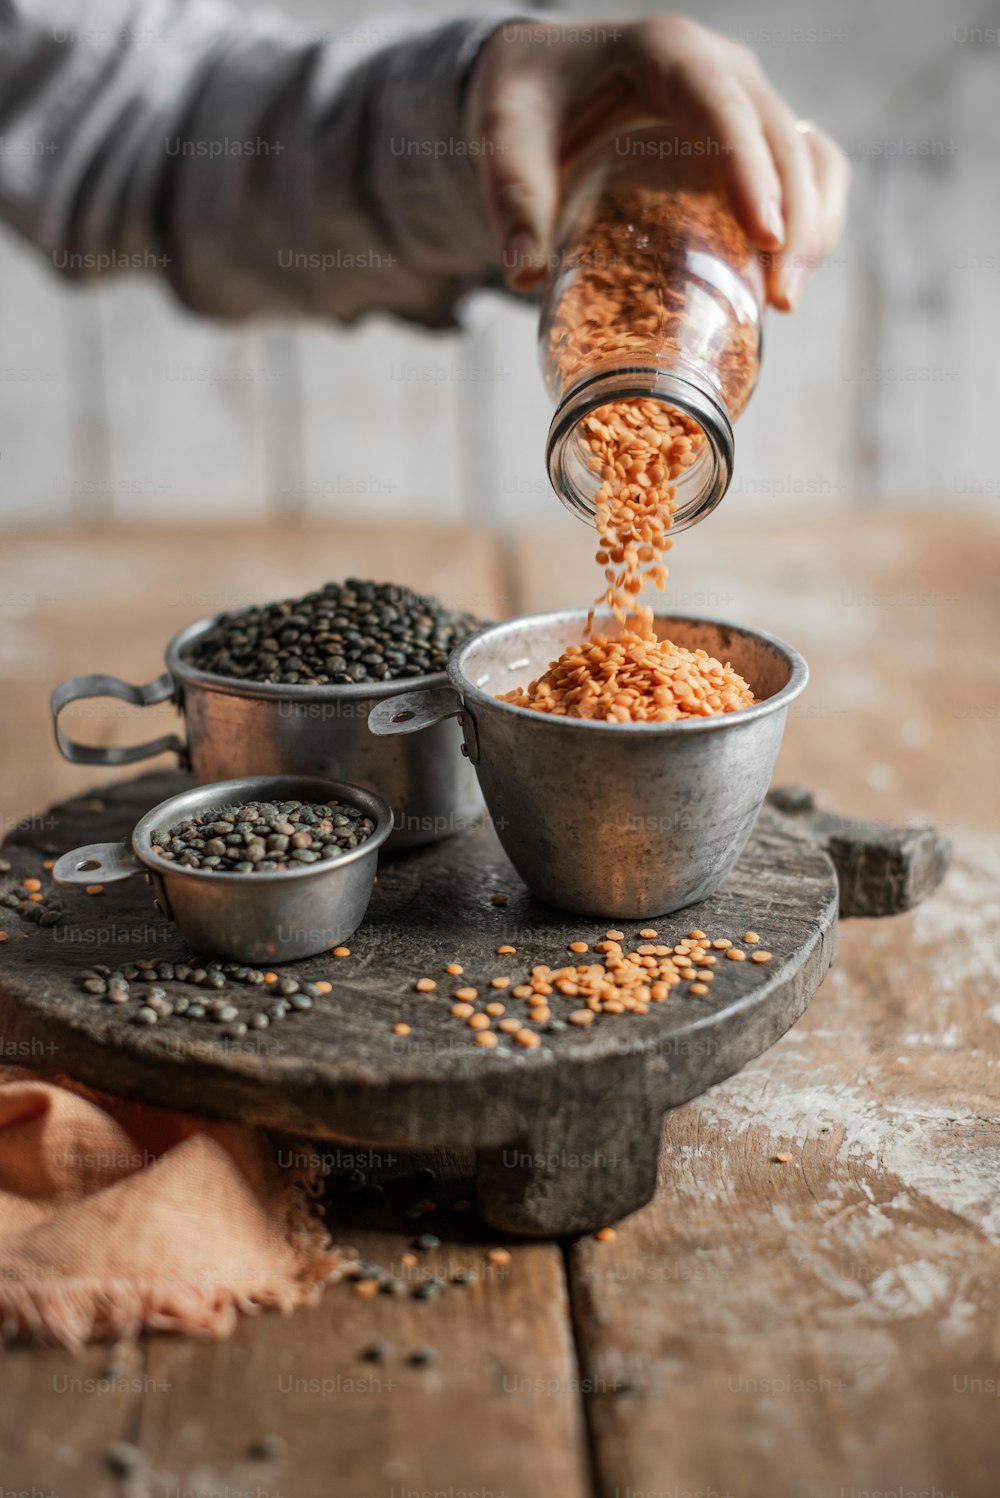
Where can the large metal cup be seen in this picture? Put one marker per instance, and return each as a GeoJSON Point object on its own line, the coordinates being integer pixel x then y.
{"type": "Point", "coordinates": [236, 729]}
{"type": "Point", "coordinates": [612, 819]}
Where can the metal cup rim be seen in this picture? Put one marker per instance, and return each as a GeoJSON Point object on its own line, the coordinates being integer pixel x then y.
{"type": "Point", "coordinates": [258, 788]}
{"type": "Point", "coordinates": [183, 671]}
{"type": "Point", "coordinates": [718, 723]}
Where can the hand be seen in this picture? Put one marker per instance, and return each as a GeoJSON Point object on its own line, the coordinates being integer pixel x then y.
{"type": "Point", "coordinates": [540, 92]}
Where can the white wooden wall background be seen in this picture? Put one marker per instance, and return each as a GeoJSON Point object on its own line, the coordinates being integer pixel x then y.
{"type": "Point", "coordinates": [115, 403]}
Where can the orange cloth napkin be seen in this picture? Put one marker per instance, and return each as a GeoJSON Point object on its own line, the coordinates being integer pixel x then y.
{"type": "Point", "coordinates": [117, 1218]}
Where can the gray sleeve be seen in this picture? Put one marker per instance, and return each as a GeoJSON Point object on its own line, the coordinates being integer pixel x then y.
{"type": "Point", "coordinates": [256, 170]}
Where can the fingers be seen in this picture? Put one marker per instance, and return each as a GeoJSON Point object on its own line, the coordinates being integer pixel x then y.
{"type": "Point", "coordinates": [788, 189]}
{"type": "Point", "coordinates": [732, 123]}
{"type": "Point", "coordinates": [518, 133]}
{"type": "Point", "coordinates": [833, 181]}
{"type": "Point", "coordinates": [686, 76]}
{"type": "Point", "coordinates": [785, 273]}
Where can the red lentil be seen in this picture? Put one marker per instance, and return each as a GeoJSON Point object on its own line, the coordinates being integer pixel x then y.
{"type": "Point", "coordinates": [425, 985]}
{"type": "Point", "coordinates": [638, 447]}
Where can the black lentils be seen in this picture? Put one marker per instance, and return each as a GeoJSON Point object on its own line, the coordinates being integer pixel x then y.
{"type": "Point", "coordinates": [348, 632]}
{"type": "Point", "coordinates": [264, 837]}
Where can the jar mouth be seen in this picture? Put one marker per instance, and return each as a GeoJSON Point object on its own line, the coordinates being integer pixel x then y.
{"type": "Point", "coordinates": [699, 488]}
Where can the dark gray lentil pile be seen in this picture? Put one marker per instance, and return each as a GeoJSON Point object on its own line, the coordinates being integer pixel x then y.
{"type": "Point", "coordinates": [264, 837]}
{"type": "Point", "coordinates": [348, 632]}
{"type": "Point", "coordinates": [139, 984]}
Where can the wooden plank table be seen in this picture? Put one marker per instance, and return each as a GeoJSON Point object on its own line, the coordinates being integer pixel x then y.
{"type": "Point", "coordinates": [805, 1329]}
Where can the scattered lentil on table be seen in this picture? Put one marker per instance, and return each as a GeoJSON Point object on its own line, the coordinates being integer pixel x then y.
{"type": "Point", "coordinates": [345, 633]}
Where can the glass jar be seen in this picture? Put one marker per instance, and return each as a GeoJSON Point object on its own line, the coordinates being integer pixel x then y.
{"type": "Point", "coordinates": [655, 295]}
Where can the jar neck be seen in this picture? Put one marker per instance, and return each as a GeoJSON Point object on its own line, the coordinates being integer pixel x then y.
{"type": "Point", "coordinates": [699, 489]}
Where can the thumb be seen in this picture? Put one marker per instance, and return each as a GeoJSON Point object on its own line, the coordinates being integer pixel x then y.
{"type": "Point", "coordinates": [519, 169]}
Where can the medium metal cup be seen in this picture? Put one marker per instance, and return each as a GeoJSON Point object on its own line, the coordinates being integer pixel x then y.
{"type": "Point", "coordinates": [259, 918]}
{"type": "Point", "coordinates": [238, 728]}
{"type": "Point", "coordinates": [612, 819]}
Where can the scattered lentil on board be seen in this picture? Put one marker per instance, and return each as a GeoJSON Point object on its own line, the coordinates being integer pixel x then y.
{"type": "Point", "coordinates": [622, 982]}
{"type": "Point", "coordinates": [141, 981]}
{"type": "Point", "coordinates": [343, 634]}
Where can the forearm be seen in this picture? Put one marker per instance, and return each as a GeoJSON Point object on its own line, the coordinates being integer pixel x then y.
{"type": "Point", "coordinates": [256, 172]}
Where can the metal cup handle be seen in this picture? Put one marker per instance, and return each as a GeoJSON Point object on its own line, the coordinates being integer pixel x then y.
{"type": "Point", "coordinates": [78, 687]}
{"type": "Point", "coordinates": [409, 712]}
{"type": "Point", "coordinates": [97, 863]}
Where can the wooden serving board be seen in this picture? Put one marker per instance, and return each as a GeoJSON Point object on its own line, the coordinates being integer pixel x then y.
{"type": "Point", "coordinates": [565, 1136]}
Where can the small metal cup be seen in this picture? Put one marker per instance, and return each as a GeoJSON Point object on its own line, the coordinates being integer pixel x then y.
{"type": "Point", "coordinates": [258, 918]}
{"type": "Point", "coordinates": [624, 820]}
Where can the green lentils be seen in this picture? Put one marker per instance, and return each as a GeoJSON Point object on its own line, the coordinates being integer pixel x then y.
{"type": "Point", "coordinates": [347, 632]}
{"type": "Point", "coordinates": [264, 837]}
{"type": "Point", "coordinates": [31, 900]}
{"type": "Point", "coordinates": [139, 984]}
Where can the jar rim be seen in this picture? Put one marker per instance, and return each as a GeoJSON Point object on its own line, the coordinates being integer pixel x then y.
{"type": "Point", "coordinates": [643, 382]}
